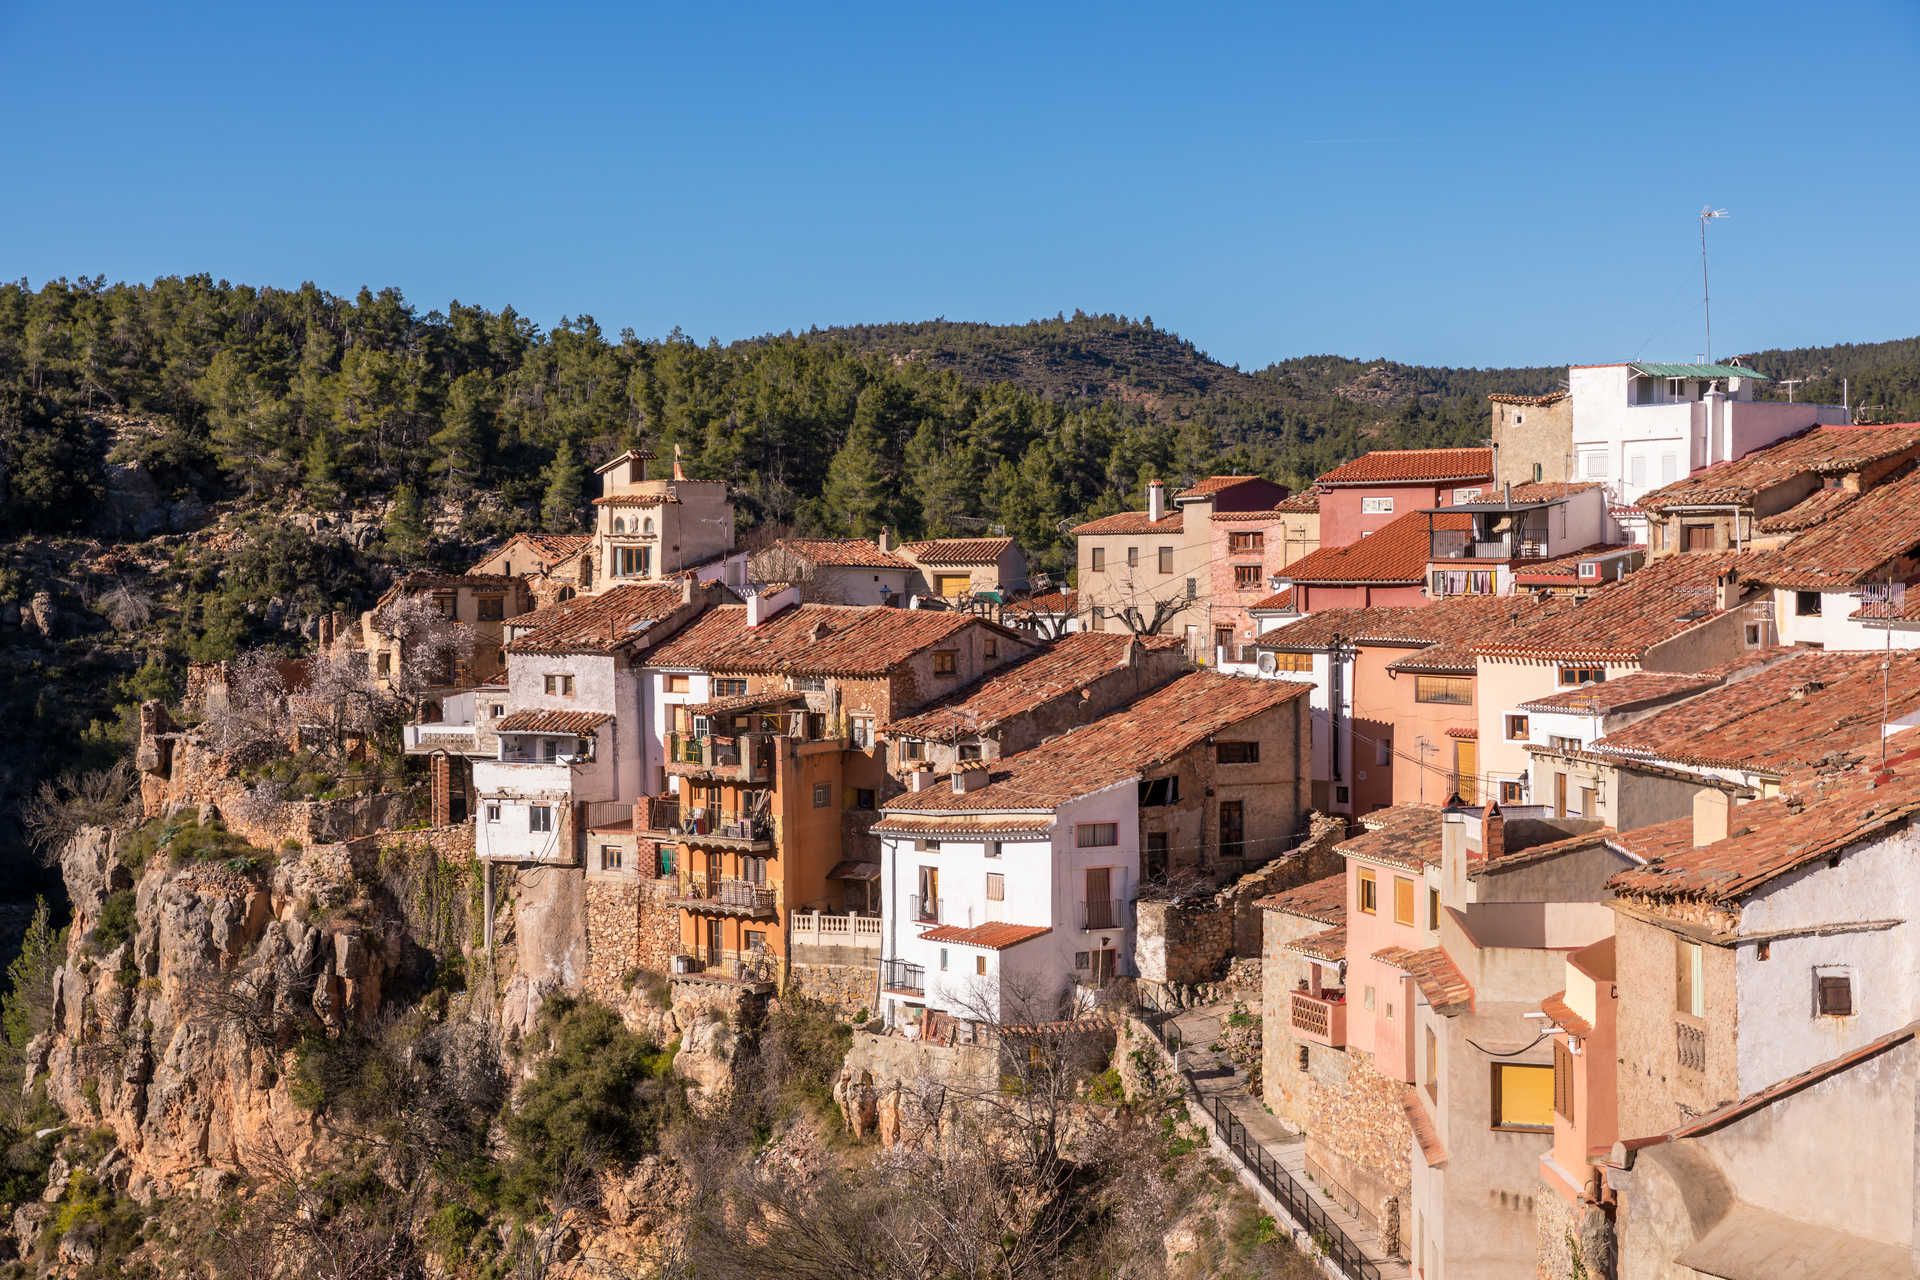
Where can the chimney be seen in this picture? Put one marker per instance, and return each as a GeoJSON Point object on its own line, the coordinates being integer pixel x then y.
{"type": "Point", "coordinates": [919, 779]}
{"type": "Point", "coordinates": [1493, 832]}
{"type": "Point", "coordinates": [886, 540]}
{"type": "Point", "coordinates": [965, 780]}
{"type": "Point", "coordinates": [1712, 812]}
{"type": "Point", "coordinates": [763, 605]}
{"type": "Point", "coordinates": [1156, 500]}
{"type": "Point", "coordinates": [1726, 588]}
{"type": "Point", "coordinates": [1453, 851]}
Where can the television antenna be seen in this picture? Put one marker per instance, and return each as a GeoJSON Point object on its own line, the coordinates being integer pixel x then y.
{"type": "Point", "coordinates": [1707, 214]}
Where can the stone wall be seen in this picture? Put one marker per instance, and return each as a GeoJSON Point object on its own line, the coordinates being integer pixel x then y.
{"type": "Point", "coordinates": [891, 1087]}
{"type": "Point", "coordinates": [846, 988]}
{"type": "Point", "coordinates": [630, 924]}
{"type": "Point", "coordinates": [1575, 1238]}
{"type": "Point", "coordinates": [1359, 1144]}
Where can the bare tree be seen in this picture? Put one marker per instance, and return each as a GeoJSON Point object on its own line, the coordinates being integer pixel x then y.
{"type": "Point", "coordinates": [778, 562]}
{"type": "Point", "coordinates": [1145, 610]}
{"type": "Point", "coordinates": [248, 720]}
{"type": "Point", "coordinates": [60, 808]}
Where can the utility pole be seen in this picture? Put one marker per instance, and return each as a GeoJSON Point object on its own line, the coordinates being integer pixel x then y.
{"type": "Point", "coordinates": [1707, 214]}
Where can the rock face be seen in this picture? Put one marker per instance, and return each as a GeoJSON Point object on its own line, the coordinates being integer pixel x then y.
{"type": "Point", "coordinates": [176, 1032]}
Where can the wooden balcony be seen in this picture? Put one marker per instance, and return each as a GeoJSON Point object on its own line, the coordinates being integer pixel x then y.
{"type": "Point", "coordinates": [726, 897]}
{"type": "Point", "coordinates": [746, 758]}
{"type": "Point", "coordinates": [750, 835]}
{"type": "Point", "coordinates": [1320, 1019]}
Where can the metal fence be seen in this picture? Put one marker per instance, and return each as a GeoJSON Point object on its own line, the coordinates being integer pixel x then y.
{"type": "Point", "coordinates": [1293, 1197]}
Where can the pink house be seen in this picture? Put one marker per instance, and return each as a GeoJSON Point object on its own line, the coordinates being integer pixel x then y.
{"type": "Point", "coordinates": [1362, 497]}
{"type": "Point", "coordinates": [1386, 569]}
{"type": "Point", "coordinates": [1249, 550]}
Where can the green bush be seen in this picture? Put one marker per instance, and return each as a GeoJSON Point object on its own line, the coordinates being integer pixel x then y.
{"type": "Point", "coordinates": [115, 925]}
{"type": "Point", "coordinates": [1105, 1088]}
{"type": "Point", "coordinates": [185, 839]}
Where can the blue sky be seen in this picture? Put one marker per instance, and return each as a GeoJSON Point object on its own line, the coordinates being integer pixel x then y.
{"type": "Point", "coordinates": [1437, 183]}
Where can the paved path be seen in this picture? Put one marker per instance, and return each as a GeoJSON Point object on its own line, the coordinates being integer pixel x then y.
{"type": "Point", "coordinates": [1214, 1076]}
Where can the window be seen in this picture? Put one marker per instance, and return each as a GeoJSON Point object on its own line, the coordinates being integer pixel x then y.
{"type": "Point", "coordinates": [990, 647]}
{"type": "Point", "coordinates": [911, 749]}
{"type": "Point", "coordinates": [386, 664]}
{"type": "Point", "coordinates": [732, 688]}
{"type": "Point", "coordinates": [444, 604]}
{"type": "Point", "coordinates": [489, 608]}
{"type": "Point", "coordinates": [499, 709]}
{"type": "Point", "coordinates": [1193, 588]}
{"type": "Point", "coordinates": [663, 862]}
{"type": "Point", "coordinates": [822, 794]}
{"type": "Point", "coordinates": [1402, 900]}
{"type": "Point", "coordinates": [1133, 557]}
{"type": "Point", "coordinates": [611, 857]}
{"type": "Point", "coordinates": [1223, 638]}
{"type": "Point", "coordinates": [1342, 794]}
{"type": "Point", "coordinates": [860, 729]}
{"type": "Point", "coordinates": [1806, 604]}
{"type": "Point", "coordinates": [632, 562]}
{"type": "Point", "coordinates": [1079, 959]}
{"type": "Point", "coordinates": [1431, 1076]}
{"type": "Point", "coordinates": [559, 686]}
{"type": "Point", "coordinates": [1539, 473]}
{"type": "Point", "coordinates": [1516, 728]}
{"type": "Point", "coordinates": [1589, 569]}
{"type": "Point", "coordinates": [926, 846]}
{"type": "Point", "coordinates": [1563, 1081]}
{"type": "Point", "coordinates": [943, 959]}
{"type": "Point", "coordinates": [1589, 802]}
{"type": "Point", "coordinates": [1468, 495]}
{"type": "Point", "coordinates": [980, 966]}
{"type": "Point", "coordinates": [864, 798]}
{"type": "Point", "coordinates": [1433, 909]}
{"type": "Point", "coordinates": [1246, 576]}
{"type": "Point", "coordinates": [1098, 619]}
{"type": "Point", "coordinates": [753, 870]}
{"type": "Point", "coordinates": [1453, 690]}
{"type": "Point", "coordinates": [1522, 1096]}
{"type": "Point", "coordinates": [1097, 559]}
{"type": "Point", "coordinates": [1233, 828]}
{"type": "Point", "coordinates": [1155, 862]}
{"type": "Point", "coordinates": [1096, 835]}
{"type": "Point", "coordinates": [1367, 999]}
{"type": "Point", "coordinates": [1155, 792]}
{"type": "Point", "coordinates": [1237, 752]}
{"type": "Point", "coordinates": [1512, 792]}
{"type": "Point", "coordinates": [810, 684]}
{"type": "Point", "coordinates": [1376, 506]}
{"type": "Point", "coordinates": [1369, 895]}
{"type": "Point", "coordinates": [1698, 537]}
{"type": "Point", "coordinates": [540, 817]}
{"type": "Point", "coordinates": [1834, 995]}
{"type": "Point", "coordinates": [968, 751]}
{"type": "Point", "coordinates": [1301, 1061]}
{"type": "Point", "coordinates": [756, 940]}
{"type": "Point", "coordinates": [550, 749]}
{"type": "Point", "coordinates": [1578, 675]}
{"type": "Point", "coordinates": [493, 811]}
{"type": "Point", "coordinates": [946, 662]}
{"type": "Point", "coordinates": [996, 887]}
{"type": "Point", "coordinates": [679, 684]}
{"type": "Point", "coordinates": [1241, 544]}
{"type": "Point", "coordinates": [1292, 661]}
{"type": "Point", "coordinates": [1689, 978]}
{"type": "Point", "coordinates": [1163, 557]}
{"type": "Point", "coordinates": [990, 849]}
{"type": "Point", "coordinates": [1382, 751]}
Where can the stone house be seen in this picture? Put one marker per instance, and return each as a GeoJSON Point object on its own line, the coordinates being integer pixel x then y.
{"type": "Point", "coordinates": [1831, 583]}
{"type": "Point", "coordinates": [1251, 548]}
{"type": "Point", "coordinates": [1303, 960]}
{"type": "Point", "coordinates": [957, 568]}
{"type": "Point", "coordinates": [1360, 498]}
{"type": "Point", "coordinates": [855, 571]}
{"type": "Point", "coordinates": [1077, 678]}
{"type": "Point", "coordinates": [1532, 437]}
{"type": "Point", "coordinates": [479, 603]}
{"type": "Point", "coordinates": [554, 566]}
{"type": "Point", "coordinates": [1015, 879]}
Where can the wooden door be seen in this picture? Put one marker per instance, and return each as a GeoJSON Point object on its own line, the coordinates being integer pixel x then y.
{"type": "Point", "coordinates": [1233, 828]}
{"type": "Point", "coordinates": [713, 942]}
{"type": "Point", "coordinates": [1466, 770]}
{"type": "Point", "coordinates": [1099, 904]}
{"type": "Point", "coordinates": [1559, 795]}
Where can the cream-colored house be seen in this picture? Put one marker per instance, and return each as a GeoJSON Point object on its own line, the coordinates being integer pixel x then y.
{"type": "Point", "coordinates": [647, 529]}
{"type": "Point", "coordinates": [954, 568]}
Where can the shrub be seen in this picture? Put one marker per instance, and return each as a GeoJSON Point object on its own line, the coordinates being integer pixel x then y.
{"type": "Point", "coordinates": [115, 925]}
{"type": "Point", "coordinates": [1106, 1089]}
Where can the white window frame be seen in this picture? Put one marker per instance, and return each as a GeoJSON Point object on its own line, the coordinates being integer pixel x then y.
{"type": "Point", "coordinates": [1381, 506]}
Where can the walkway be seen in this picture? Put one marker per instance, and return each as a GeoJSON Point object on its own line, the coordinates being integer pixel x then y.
{"type": "Point", "coordinates": [1222, 1089]}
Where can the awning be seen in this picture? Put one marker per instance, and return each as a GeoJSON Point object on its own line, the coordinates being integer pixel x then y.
{"type": "Point", "coordinates": [853, 870]}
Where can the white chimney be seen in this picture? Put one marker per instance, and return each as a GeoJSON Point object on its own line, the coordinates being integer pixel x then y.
{"type": "Point", "coordinates": [1712, 815]}
{"type": "Point", "coordinates": [1156, 500]}
{"type": "Point", "coordinates": [763, 604]}
{"type": "Point", "coordinates": [886, 540]}
{"type": "Point", "coordinates": [966, 780]}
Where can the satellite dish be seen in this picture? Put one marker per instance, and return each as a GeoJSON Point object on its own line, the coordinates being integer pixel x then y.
{"type": "Point", "coordinates": [1266, 663]}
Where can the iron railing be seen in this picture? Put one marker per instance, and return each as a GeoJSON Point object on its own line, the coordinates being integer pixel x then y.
{"type": "Point", "coordinates": [1103, 913]}
{"type": "Point", "coordinates": [924, 910]}
{"type": "Point", "coordinates": [731, 895]}
{"type": "Point", "coordinates": [898, 975]}
{"type": "Point", "coordinates": [1284, 1187]}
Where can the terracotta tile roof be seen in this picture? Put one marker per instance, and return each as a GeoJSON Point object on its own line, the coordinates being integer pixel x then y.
{"type": "Point", "coordinates": [1548, 490]}
{"type": "Point", "coordinates": [1406, 835]}
{"type": "Point", "coordinates": [548, 548]}
{"type": "Point", "coordinates": [1114, 748]}
{"type": "Point", "coordinates": [743, 702]}
{"type": "Point", "coordinates": [1049, 602]}
{"type": "Point", "coordinates": [634, 500]}
{"type": "Point", "coordinates": [1791, 1085]}
{"type": "Point", "coordinates": [1443, 632]}
{"type": "Point", "coordinates": [1852, 546]}
{"type": "Point", "coordinates": [1508, 397]}
{"type": "Point", "coordinates": [1131, 522]}
{"type": "Point", "coordinates": [1435, 973]}
{"type": "Point", "coordinates": [1819, 817]}
{"type": "Point", "coordinates": [840, 553]}
{"type": "Point", "coordinates": [1304, 501]}
{"type": "Point", "coordinates": [1060, 669]}
{"type": "Point", "coordinates": [1210, 486]}
{"type": "Point", "coordinates": [1819, 506]}
{"type": "Point", "coordinates": [640, 454]}
{"type": "Point", "coordinates": [1620, 622]}
{"type": "Point", "coordinates": [1562, 1015]}
{"type": "Point", "coordinates": [994, 936]}
{"type": "Point", "coordinates": [1323, 900]}
{"type": "Point", "coordinates": [546, 720]}
{"type": "Point", "coordinates": [1789, 716]}
{"type": "Point", "coordinates": [1278, 602]}
{"type": "Point", "coordinates": [426, 580]}
{"type": "Point", "coordinates": [1398, 551]}
{"type": "Point", "coordinates": [599, 623]}
{"type": "Point", "coordinates": [958, 550]}
{"type": "Point", "coordinates": [910, 824]}
{"type": "Point", "coordinates": [1467, 732]}
{"type": "Point", "coordinates": [1413, 466]}
{"type": "Point", "coordinates": [1564, 570]}
{"type": "Point", "coordinates": [1432, 1150]}
{"type": "Point", "coordinates": [1329, 945]}
{"type": "Point", "coordinates": [814, 639]}
{"type": "Point", "coordinates": [1820, 451]}
{"type": "Point", "coordinates": [1268, 515]}
{"type": "Point", "coordinates": [1640, 689]}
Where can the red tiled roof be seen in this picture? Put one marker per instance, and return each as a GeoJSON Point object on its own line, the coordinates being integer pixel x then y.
{"type": "Point", "coordinates": [1819, 817]}
{"type": "Point", "coordinates": [1622, 621]}
{"type": "Point", "coordinates": [1210, 486]}
{"type": "Point", "coordinates": [1852, 546]}
{"type": "Point", "coordinates": [994, 936]}
{"type": "Point", "coordinates": [1443, 632]}
{"type": "Point", "coordinates": [599, 623]}
{"type": "Point", "coordinates": [1114, 748]}
{"type": "Point", "coordinates": [548, 548]}
{"type": "Point", "coordinates": [1509, 397]}
{"type": "Point", "coordinates": [1278, 602]}
{"type": "Point", "coordinates": [1329, 945]}
{"type": "Point", "coordinates": [1398, 551]}
{"type": "Point", "coordinates": [1565, 569]}
{"type": "Point", "coordinates": [1062, 668]}
{"type": "Point", "coordinates": [1788, 716]}
{"type": "Point", "coordinates": [634, 500]}
{"type": "Point", "coordinates": [840, 553]}
{"type": "Point", "coordinates": [1324, 900]}
{"type": "Point", "coordinates": [1641, 688]}
{"type": "Point", "coordinates": [1561, 1014]}
{"type": "Point", "coordinates": [958, 550]}
{"type": "Point", "coordinates": [1463, 731]}
{"type": "Point", "coordinates": [913, 824]}
{"type": "Point", "coordinates": [1435, 973]}
{"type": "Point", "coordinates": [1050, 602]}
{"type": "Point", "coordinates": [815, 639]}
{"type": "Point", "coordinates": [1432, 1150]}
{"type": "Point", "coordinates": [1131, 522]}
{"type": "Point", "coordinates": [1413, 466]}
{"type": "Point", "coordinates": [1548, 490]}
{"type": "Point", "coordinates": [1819, 506]}
{"type": "Point", "coordinates": [1304, 501]}
{"type": "Point", "coordinates": [1819, 451]}
{"type": "Point", "coordinates": [547, 720]}
{"type": "Point", "coordinates": [1406, 835]}
{"type": "Point", "coordinates": [640, 454]}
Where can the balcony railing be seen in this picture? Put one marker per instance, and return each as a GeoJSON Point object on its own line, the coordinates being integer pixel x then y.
{"type": "Point", "coordinates": [727, 965]}
{"type": "Point", "coordinates": [825, 929]}
{"type": "Point", "coordinates": [1456, 547]}
{"type": "Point", "coordinates": [1690, 1044]}
{"type": "Point", "coordinates": [1320, 1019]}
{"type": "Point", "coordinates": [1103, 913]}
{"type": "Point", "coordinates": [745, 758]}
{"type": "Point", "coordinates": [700, 829]}
{"type": "Point", "coordinates": [737, 897]}
{"type": "Point", "coordinates": [907, 979]}
{"type": "Point", "coordinates": [657, 813]}
{"type": "Point", "coordinates": [924, 910]}
{"type": "Point", "coordinates": [427, 737]}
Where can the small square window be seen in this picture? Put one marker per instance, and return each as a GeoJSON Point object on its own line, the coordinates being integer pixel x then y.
{"type": "Point", "coordinates": [1079, 959]}
{"type": "Point", "coordinates": [1369, 892]}
{"type": "Point", "coordinates": [493, 812]}
{"type": "Point", "coordinates": [1806, 604]}
{"type": "Point", "coordinates": [990, 647]}
{"type": "Point", "coordinates": [1512, 792]}
{"type": "Point", "coordinates": [946, 662]}
{"type": "Point", "coordinates": [489, 608]}
{"type": "Point", "coordinates": [864, 798]}
{"type": "Point", "coordinates": [822, 794]}
{"type": "Point", "coordinates": [1516, 728]}
{"type": "Point", "coordinates": [612, 858]}
{"type": "Point", "coordinates": [990, 849]}
{"type": "Point", "coordinates": [679, 684]}
{"type": "Point", "coordinates": [1835, 992]}
{"type": "Point", "coordinates": [540, 818]}
{"type": "Point", "coordinates": [559, 686]}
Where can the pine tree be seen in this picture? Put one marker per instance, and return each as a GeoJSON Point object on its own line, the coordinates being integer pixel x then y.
{"type": "Point", "coordinates": [466, 427]}
{"type": "Point", "coordinates": [859, 486]}
{"type": "Point", "coordinates": [406, 530]}
{"type": "Point", "coordinates": [565, 479]}
{"type": "Point", "coordinates": [321, 470]}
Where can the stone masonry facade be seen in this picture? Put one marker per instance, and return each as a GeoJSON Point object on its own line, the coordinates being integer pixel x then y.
{"type": "Point", "coordinates": [631, 925]}
{"type": "Point", "coordinates": [1358, 1146]}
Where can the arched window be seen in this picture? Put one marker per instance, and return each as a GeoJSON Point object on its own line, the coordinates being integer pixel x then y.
{"type": "Point", "coordinates": [619, 525]}
{"type": "Point", "coordinates": [646, 524]}
{"type": "Point", "coordinates": [566, 593]}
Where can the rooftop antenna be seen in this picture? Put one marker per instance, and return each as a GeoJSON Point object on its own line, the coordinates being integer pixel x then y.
{"type": "Point", "coordinates": [1707, 214]}
{"type": "Point", "coordinates": [1790, 384]}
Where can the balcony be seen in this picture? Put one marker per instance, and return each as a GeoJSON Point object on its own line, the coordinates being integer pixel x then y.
{"type": "Point", "coordinates": [897, 977]}
{"type": "Point", "coordinates": [747, 758]}
{"type": "Point", "coordinates": [749, 834]}
{"type": "Point", "coordinates": [428, 737]}
{"type": "Point", "coordinates": [1457, 546]}
{"type": "Point", "coordinates": [726, 897]}
{"type": "Point", "coordinates": [656, 813]}
{"type": "Point", "coordinates": [745, 968]}
{"type": "Point", "coordinates": [1690, 1046]}
{"type": "Point", "coordinates": [923, 910]}
{"type": "Point", "coordinates": [1103, 913]}
{"type": "Point", "coordinates": [825, 929]}
{"type": "Point", "coordinates": [1320, 1019]}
